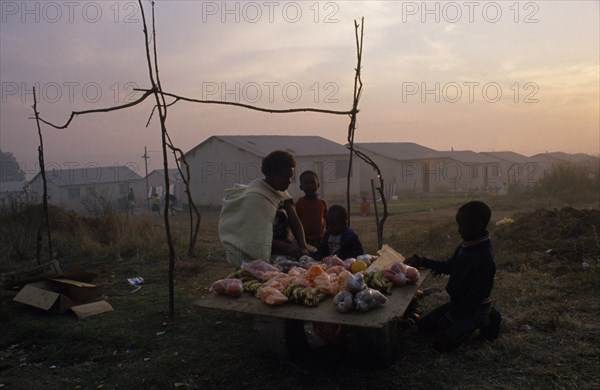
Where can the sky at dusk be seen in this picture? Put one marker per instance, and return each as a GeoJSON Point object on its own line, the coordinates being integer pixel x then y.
{"type": "Point", "coordinates": [484, 76]}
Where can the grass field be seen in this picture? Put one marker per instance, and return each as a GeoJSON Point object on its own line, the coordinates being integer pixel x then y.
{"type": "Point", "coordinates": [551, 312]}
{"type": "Point", "coordinates": [417, 204]}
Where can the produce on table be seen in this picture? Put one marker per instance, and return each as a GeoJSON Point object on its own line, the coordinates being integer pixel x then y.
{"type": "Point", "coordinates": [271, 296]}
{"type": "Point", "coordinates": [343, 301]}
{"type": "Point", "coordinates": [304, 295]}
{"type": "Point", "coordinates": [313, 271]}
{"type": "Point", "coordinates": [364, 300]}
{"type": "Point", "coordinates": [258, 268]}
{"type": "Point", "coordinates": [324, 283]}
{"type": "Point", "coordinates": [398, 267]}
{"type": "Point", "coordinates": [412, 274]}
{"type": "Point", "coordinates": [284, 264]}
{"type": "Point", "coordinates": [368, 259]}
{"type": "Point", "coordinates": [343, 279]}
{"type": "Point", "coordinates": [355, 283]}
{"type": "Point", "coordinates": [378, 281]}
{"type": "Point", "coordinates": [399, 279]}
{"type": "Point", "coordinates": [399, 274]}
{"type": "Point", "coordinates": [369, 298]}
{"type": "Point", "coordinates": [348, 263]}
{"type": "Point", "coordinates": [308, 282]}
{"type": "Point", "coordinates": [306, 261]}
{"type": "Point", "coordinates": [358, 266]}
{"type": "Point", "coordinates": [331, 261]}
{"type": "Point", "coordinates": [252, 286]}
{"type": "Point", "coordinates": [229, 287]}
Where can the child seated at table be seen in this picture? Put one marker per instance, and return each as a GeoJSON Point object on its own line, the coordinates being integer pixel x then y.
{"type": "Point", "coordinates": [339, 239]}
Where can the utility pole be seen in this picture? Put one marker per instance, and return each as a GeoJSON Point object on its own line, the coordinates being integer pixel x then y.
{"type": "Point", "coordinates": [145, 157]}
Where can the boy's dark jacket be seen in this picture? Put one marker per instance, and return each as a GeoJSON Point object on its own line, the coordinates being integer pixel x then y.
{"type": "Point", "coordinates": [471, 269]}
{"type": "Point", "coordinates": [350, 245]}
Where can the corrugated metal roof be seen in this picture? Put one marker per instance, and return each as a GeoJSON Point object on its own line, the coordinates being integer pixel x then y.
{"type": "Point", "coordinates": [399, 150]}
{"type": "Point", "coordinates": [470, 157]}
{"type": "Point", "coordinates": [574, 157]}
{"type": "Point", "coordinates": [90, 175]}
{"type": "Point", "coordinates": [510, 157]}
{"type": "Point", "coordinates": [296, 145]}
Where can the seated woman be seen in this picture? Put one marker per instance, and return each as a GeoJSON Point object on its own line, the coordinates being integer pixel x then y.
{"type": "Point", "coordinates": [248, 214]}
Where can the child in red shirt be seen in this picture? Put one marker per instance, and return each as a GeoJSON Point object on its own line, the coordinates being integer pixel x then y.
{"type": "Point", "coordinates": [365, 207]}
{"type": "Point", "coordinates": [311, 209]}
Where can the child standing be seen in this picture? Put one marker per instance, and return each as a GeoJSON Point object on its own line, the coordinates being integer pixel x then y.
{"type": "Point", "coordinates": [365, 207]}
{"type": "Point", "coordinates": [311, 209]}
{"type": "Point", "coordinates": [155, 203]}
{"type": "Point", "coordinates": [471, 269]}
{"type": "Point", "coordinates": [131, 201]}
{"type": "Point", "coordinates": [339, 239]}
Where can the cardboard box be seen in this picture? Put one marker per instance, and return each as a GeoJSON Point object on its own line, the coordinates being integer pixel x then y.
{"type": "Point", "coordinates": [90, 309]}
{"type": "Point", "coordinates": [44, 295]}
{"type": "Point", "coordinates": [72, 291]}
{"type": "Point", "coordinates": [20, 278]}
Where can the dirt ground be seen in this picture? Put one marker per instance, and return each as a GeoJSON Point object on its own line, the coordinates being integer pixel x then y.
{"type": "Point", "coordinates": [550, 335]}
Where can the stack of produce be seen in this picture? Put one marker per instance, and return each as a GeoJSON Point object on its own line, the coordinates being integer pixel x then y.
{"type": "Point", "coordinates": [357, 295]}
{"type": "Point", "coordinates": [401, 274]}
{"type": "Point", "coordinates": [229, 287]}
{"type": "Point", "coordinates": [309, 282]}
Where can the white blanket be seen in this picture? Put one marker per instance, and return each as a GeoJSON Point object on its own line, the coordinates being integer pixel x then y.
{"type": "Point", "coordinates": [246, 222]}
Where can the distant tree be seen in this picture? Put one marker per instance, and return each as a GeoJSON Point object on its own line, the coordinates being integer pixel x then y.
{"type": "Point", "coordinates": [10, 170]}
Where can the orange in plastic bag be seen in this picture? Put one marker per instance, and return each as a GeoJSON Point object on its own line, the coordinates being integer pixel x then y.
{"type": "Point", "coordinates": [323, 283]}
{"type": "Point", "coordinates": [297, 272]}
{"type": "Point", "coordinates": [229, 287]}
{"type": "Point", "coordinates": [412, 274]}
{"type": "Point", "coordinates": [275, 283]}
{"type": "Point", "coordinates": [342, 278]}
{"type": "Point", "coordinates": [272, 296]}
{"type": "Point", "coordinates": [314, 271]}
{"type": "Point", "coordinates": [335, 269]}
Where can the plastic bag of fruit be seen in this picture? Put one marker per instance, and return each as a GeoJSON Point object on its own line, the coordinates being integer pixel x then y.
{"type": "Point", "coordinates": [368, 299]}
{"type": "Point", "coordinates": [228, 287]}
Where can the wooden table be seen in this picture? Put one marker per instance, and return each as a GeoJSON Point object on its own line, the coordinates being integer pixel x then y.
{"type": "Point", "coordinates": [273, 325]}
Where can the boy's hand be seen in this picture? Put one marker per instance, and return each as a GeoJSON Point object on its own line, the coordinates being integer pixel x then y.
{"type": "Point", "coordinates": [414, 261]}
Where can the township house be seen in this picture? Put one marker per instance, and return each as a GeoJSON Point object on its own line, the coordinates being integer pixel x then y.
{"type": "Point", "coordinates": [222, 161]}
{"type": "Point", "coordinates": [403, 165]}
{"type": "Point", "coordinates": [468, 171]}
{"type": "Point", "coordinates": [517, 169]}
{"type": "Point", "coordinates": [154, 182]}
{"type": "Point", "coordinates": [85, 189]}
{"type": "Point", "coordinates": [409, 168]}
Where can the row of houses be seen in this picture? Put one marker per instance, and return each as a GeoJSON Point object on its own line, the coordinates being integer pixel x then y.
{"type": "Point", "coordinates": [222, 161]}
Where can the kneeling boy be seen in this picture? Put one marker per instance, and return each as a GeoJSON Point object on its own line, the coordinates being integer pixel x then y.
{"type": "Point", "coordinates": [471, 269]}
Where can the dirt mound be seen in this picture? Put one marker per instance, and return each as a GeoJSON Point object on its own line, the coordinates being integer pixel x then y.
{"type": "Point", "coordinates": [567, 232]}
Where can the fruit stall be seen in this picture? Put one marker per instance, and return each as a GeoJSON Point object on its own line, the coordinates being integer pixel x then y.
{"type": "Point", "coordinates": [366, 305]}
